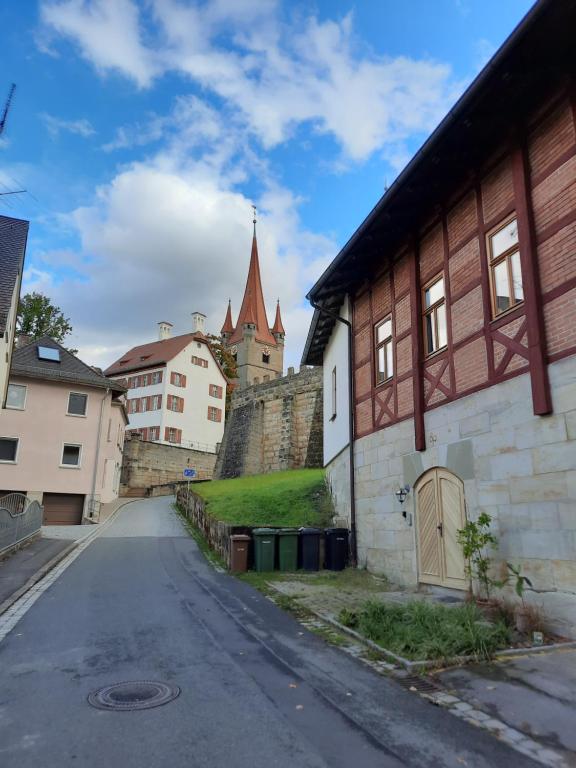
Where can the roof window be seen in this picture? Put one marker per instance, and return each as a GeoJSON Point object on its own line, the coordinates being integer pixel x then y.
{"type": "Point", "coordinates": [49, 353]}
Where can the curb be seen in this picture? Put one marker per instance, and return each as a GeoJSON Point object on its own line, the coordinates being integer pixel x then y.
{"type": "Point", "coordinates": [35, 578]}
{"type": "Point", "coordinates": [51, 564]}
{"type": "Point", "coordinates": [430, 664]}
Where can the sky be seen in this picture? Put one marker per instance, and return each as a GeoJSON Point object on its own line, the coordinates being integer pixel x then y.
{"type": "Point", "coordinates": [144, 130]}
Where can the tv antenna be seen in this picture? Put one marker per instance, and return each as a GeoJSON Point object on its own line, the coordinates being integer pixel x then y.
{"type": "Point", "coordinates": [7, 106]}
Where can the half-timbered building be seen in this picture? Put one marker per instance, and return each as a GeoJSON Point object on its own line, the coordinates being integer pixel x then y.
{"type": "Point", "coordinates": [462, 287]}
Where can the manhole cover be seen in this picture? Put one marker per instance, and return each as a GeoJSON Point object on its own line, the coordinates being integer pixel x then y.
{"type": "Point", "coordinates": [143, 694]}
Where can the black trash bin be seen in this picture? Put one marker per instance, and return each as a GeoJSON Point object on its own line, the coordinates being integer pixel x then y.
{"type": "Point", "coordinates": [310, 548]}
{"type": "Point", "coordinates": [336, 547]}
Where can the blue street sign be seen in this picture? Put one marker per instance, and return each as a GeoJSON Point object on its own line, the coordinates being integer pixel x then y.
{"type": "Point", "coordinates": [189, 473]}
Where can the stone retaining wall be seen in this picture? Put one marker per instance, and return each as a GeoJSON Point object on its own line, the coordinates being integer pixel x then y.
{"type": "Point", "coordinates": [146, 464]}
{"type": "Point", "coordinates": [274, 426]}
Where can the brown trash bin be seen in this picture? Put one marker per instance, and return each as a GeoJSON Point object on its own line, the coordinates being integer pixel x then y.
{"type": "Point", "coordinates": [239, 543]}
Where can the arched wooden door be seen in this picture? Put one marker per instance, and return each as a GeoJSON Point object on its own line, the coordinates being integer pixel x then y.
{"type": "Point", "coordinates": [440, 514]}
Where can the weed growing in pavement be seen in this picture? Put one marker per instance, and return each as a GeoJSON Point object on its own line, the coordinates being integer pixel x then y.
{"type": "Point", "coordinates": [419, 630]}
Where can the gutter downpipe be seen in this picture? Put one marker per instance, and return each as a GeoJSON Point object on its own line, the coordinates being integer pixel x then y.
{"type": "Point", "coordinates": [97, 456]}
{"type": "Point", "coordinates": [348, 324]}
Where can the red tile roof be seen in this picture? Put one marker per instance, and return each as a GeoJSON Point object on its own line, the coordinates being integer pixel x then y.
{"type": "Point", "coordinates": [253, 309]}
{"type": "Point", "coordinates": [156, 353]}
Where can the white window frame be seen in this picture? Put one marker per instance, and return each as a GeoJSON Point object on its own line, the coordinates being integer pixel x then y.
{"type": "Point", "coordinates": [80, 452]}
{"type": "Point", "coordinates": [77, 415]}
{"type": "Point", "coordinates": [333, 393]}
{"type": "Point", "coordinates": [15, 407]}
{"type": "Point", "coordinates": [17, 441]}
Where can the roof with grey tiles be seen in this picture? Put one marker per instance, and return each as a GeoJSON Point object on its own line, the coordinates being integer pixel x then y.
{"type": "Point", "coordinates": [70, 369]}
{"type": "Point", "coordinates": [13, 235]}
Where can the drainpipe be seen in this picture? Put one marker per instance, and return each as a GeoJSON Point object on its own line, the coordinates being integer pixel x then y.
{"type": "Point", "coordinates": [348, 324]}
{"type": "Point", "coordinates": [97, 455]}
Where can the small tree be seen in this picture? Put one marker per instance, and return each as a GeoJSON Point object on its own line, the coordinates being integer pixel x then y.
{"type": "Point", "coordinates": [228, 363]}
{"type": "Point", "coordinates": [475, 538]}
{"type": "Point", "coordinates": [521, 581]}
{"type": "Point", "coordinates": [38, 317]}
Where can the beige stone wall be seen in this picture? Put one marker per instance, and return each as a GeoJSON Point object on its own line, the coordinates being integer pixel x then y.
{"type": "Point", "coordinates": [274, 426]}
{"type": "Point", "coordinates": [146, 464]}
{"type": "Point", "coordinates": [519, 468]}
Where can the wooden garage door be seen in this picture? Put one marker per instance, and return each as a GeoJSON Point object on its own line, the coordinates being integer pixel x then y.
{"type": "Point", "coordinates": [63, 508]}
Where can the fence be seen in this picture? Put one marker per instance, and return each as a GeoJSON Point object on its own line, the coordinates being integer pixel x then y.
{"type": "Point", "coordinates": [216, 533]}
{"type": "Point", "coordinates": [20, 519]}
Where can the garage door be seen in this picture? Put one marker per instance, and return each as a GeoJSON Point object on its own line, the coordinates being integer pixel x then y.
{"type": "Point", "coordinates": [63, 508]}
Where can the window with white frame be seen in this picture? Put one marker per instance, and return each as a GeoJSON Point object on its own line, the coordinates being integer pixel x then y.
{"type": "Point", "coordinates": [77, 403]}
{"type": "Point", "coordinates": [156, 402]}
{"type": "Point", "coordinates": [505, 271]}
{"type": "Point", "coordinates": [215, 391]}
{"type": "Point", "coordinates": [133, 405]}
{"type": "Point", "coordinates": [214, 414]}
{"type": "Point", "coordinates": [157, 377]}
{"type": "Point", "coordinates": [16, 397]}
{"type": "Point", "coordinates": [71, 455]}
{"type": "Point", "coordinates": [333, 394]}
{"type": "Point", "coordinates": [384, 351]}
{"type": "Point", "coordinates": [8, 450]}
{"type": "Point", "coordinates": [435, 327]}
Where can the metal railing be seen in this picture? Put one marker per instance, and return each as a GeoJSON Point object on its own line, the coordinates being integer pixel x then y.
{"type": "Point", "coordinates": [20, 518]}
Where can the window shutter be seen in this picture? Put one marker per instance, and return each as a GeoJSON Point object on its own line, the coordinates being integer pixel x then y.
{"type": "Point", "coordinates": [183, 379]}
{"type": "Point", "coordinates": [171, 377]}
{"type": "Point", "coordinates": [159, 401]}
{"type": "Point", "coordinates": [181, 405]}
{"type": "Point", "coordinates": [178, 435]}
{"type": "Point", "coordinates": [219, 415]}
{"type": "Point", "coordinates": [169, 402]}
{"type": "Point", "coordinates": [167, 434]}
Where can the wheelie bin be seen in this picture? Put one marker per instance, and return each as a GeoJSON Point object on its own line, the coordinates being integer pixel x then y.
{"type": "Point", "coordinates": [264, 549]}
{"type": "Point", "coordinates": [310, 548]}
{"type": "Point", "coordinates": [239, 543]}
{"type": "Point", "coordinates": [336, 548]}
{"type": "Point", "coordinates": [288, 549]}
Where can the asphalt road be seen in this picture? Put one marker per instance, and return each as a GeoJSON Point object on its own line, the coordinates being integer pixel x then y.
{"type": "Point", "coordinates": [258, 691]}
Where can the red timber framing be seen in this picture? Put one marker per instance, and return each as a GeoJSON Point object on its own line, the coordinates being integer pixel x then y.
{"type": "Point", "coordinates": [533, 179]}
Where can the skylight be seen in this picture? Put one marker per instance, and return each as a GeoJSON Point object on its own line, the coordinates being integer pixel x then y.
{"type": "Point", "coordinates": [49, 353]}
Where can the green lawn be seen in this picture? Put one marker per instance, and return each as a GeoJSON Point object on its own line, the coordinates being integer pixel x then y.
{"type": "Point", "coordinates": [280, 499]}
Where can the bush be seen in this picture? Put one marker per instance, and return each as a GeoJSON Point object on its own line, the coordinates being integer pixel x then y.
{"type": "Point", "coordinates": [420, 630]}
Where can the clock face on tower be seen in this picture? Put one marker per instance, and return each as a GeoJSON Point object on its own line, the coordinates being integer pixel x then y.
{"type": "Point", "coordinates": [234, 350]}
{"type": "Point", "coordinates": [266, 351]}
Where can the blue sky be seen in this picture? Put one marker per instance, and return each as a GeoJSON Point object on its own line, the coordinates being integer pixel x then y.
{"type": "Point", "coordinates": [144, 131]}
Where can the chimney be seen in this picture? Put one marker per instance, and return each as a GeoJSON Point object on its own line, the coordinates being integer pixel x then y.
{"type": "Point", "coordinates": [198, 320]}
{"type": "Point", "coordinates": [164, 330]}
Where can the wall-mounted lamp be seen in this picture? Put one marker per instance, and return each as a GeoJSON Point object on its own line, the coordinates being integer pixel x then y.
{"type": "Point", "coordinates": [401, 493]}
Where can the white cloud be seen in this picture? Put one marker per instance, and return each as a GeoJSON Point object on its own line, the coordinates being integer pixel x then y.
{"type": "Point", "coordinates": [274, 75]}
{"type": "Point", "coordinates": [159, 243]}
{"type": "Point", "coordinates": [106, 32]}
{"type": "Point", "coordinates": [55, 125]}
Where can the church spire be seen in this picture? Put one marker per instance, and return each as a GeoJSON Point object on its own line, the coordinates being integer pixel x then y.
{"type": "Point", "coordinates": [253, 310]}
{"type": "Point", "coordinates": [228, 326]}
{"type": "Point", "coordinates": [278, 327]}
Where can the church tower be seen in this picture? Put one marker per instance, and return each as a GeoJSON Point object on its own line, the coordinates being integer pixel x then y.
{"type": "Point", "coordinates": [258, 349]}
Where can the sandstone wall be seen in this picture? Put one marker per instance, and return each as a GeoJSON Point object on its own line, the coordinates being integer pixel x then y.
{"type": "Point", "coordinates": [146, 464]}
{"type": "Point", "coordinates": [274, 426]}
{"type": "Point", "coordinates": [517, 467]}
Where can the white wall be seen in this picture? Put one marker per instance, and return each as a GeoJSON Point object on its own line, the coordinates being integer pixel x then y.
{"type": "Point", "coordinates": [194, 422]}
{"type": "Point", "coordinates": [336, 430]}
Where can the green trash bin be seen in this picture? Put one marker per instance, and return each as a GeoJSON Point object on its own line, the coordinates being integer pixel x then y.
{"type": "Point", "coordinates": [264, 548]}
{"type": "Point", "coordinates": [288, 549]}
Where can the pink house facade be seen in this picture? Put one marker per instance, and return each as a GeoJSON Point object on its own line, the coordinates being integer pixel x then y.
{"type": "Point", "coordinates": [61, 434]}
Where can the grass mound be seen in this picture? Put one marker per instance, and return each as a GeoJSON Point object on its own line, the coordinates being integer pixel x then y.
{"type": "Point", "coordinates": [281, 499]}
{"type": "Point", "coordinates": [420, 630]}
